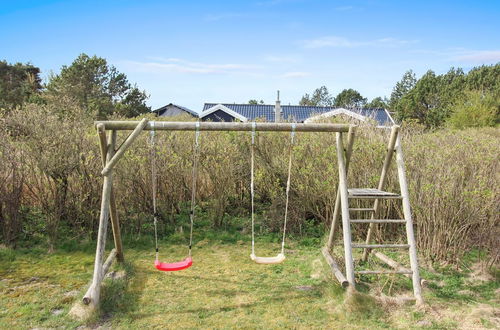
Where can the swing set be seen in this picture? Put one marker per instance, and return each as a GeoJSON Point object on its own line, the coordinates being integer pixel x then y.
{"type": "Point", "coordinates": [111, 155]}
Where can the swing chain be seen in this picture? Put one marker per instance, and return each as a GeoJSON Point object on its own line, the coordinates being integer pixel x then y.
{"type": "Point", "coordinates": [154, 182]}
{"type": "Point", "coordinates": [194, 178]}
{"type": "Point", "coordinates": [254, 125]}
{"type": "Point", "coordinates": [292, 142]}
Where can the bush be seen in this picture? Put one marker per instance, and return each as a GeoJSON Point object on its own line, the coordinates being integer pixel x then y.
{"type": "Point", "coordinates": [476, 109]}
{"type": "Point", "coordinates": [452, 175]}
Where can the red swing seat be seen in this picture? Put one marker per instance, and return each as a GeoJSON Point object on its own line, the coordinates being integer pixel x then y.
{"type": "Point", "coordinates": [170, 267]}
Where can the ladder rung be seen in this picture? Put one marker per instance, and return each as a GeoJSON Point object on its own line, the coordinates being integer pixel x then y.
{"type": "Point", "coordinates": [383, 272]}
{"type": "Point", "coordinates": [378, 221]}
{"type": "Point", "coordinates": [377, 246]}
{"type": "Point", "coordinates": [362, 209]}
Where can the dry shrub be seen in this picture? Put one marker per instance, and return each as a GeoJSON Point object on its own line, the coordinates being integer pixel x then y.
{"type": "Point", "coordinates": [453, 179]}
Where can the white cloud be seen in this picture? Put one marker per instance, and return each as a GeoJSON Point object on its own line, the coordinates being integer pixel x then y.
{"type": "Point", "coordinates": [341, 42]}
{"type": "Point", "coordinates": [295, 74]}
{"type": "Point", "coordinates": [479, 56]}
{"type": "Point", "coordinates": [159, 64]}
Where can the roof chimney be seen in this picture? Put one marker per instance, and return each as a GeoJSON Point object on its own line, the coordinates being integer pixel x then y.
{"type": "Point", "coordinates": [277, 109]}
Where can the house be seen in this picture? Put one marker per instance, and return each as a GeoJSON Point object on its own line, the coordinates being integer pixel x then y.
{"type": "Point", "coordinates": [171, 110]}
{"type": "Point", "coordinates": [293, 113]}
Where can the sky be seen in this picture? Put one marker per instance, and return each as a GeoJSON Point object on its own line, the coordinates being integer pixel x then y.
{"type": "Point", "coordinates": [192, 52]}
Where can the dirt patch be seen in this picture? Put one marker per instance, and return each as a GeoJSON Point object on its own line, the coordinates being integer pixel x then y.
{"type": "Point", "coordinates": [304, 287]}
{"type": "Point", "coordinates": [81, 312]}
{"type": "Point", "coordinates": [480, 273]}
{"type": "Point", "coordinates": [481, 317]}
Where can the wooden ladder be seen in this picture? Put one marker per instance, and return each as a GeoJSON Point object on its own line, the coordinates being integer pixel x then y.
{"type": "Point", "coordinates": [345, 194]}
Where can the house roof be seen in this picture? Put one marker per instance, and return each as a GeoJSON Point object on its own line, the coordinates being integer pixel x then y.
{"type": "Point", "coordinates": [297, 113]}
{"type": "Point", "coordinates": [381, 116]}
{"type": "Point", "coordinates": [164, 108]}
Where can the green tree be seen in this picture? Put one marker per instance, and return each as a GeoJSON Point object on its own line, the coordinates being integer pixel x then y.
{"type": "Point", "coordinates": [402, 88]}
{"type": "Point", "coordinates": [320, 97]}
{"type": "Point", "coordinates": [254, 101]}
{"type": "Point", "coordinates": [98, 88]}
{"type": "Point", "coordinates": [422, 102]}
{"type": "Point", "coordinates": [350, 98]}
{"type": "Point", "coordinates": [18, 84]}
{"type": "Point", "coordinates": [484, 78]}
{"type": "Point", "coordinates": [377, 103]}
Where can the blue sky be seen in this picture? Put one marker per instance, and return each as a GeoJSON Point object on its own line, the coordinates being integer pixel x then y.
{"type": "Point", "coordinates": [191, 52]}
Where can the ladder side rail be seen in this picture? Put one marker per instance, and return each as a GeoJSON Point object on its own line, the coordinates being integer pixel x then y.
{"type": "Point", "coordinates": [336, 211]}
{"type": "Point", "coordinates": [346, 226]}
{"type": "Point", "coordinates": [381, 184]}
{"type": "Point", "coordinates": [417, 290]}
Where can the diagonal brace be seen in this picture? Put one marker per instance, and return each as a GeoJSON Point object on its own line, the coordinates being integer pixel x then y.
{"type": "Point", "coordinates": [119, 153]}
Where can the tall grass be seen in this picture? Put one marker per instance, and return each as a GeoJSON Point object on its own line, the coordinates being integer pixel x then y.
{"type": "Point", "coordinates": [453, 178]}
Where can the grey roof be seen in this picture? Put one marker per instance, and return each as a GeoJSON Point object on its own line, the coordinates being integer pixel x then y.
{"type": "Point", "coordinates": [297, 113]}
{"type": "Point", "coordinates": [160, 110]}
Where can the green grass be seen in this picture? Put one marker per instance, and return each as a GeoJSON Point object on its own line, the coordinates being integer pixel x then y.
{"type": "Point", "coordinates": [223, 289]}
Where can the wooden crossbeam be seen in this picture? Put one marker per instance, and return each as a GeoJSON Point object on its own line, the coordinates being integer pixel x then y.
{"type": "Point", "coordinates": [225, 126]}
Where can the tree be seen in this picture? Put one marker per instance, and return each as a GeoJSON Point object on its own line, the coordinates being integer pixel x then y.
{"type": "Point", "coordinates": [350, 98]}
{"type": "Point", "coordinates": [402, 88]}
{"type": "Point", "coordinates": [320, 97]}
{"type": "Point", "coordinates": [253, 101]}
{"type": "Point", "coordinates": [377, 103]}
{"type": "Point", "coordinates": [98, 88]}
{"type": "Point", "coordinates": [422, 102]}
{"type": "Point", "coordinates": [18, 84]}
{"type": "Point", "coordinates": [431, 100]}
{"type": "Point", "coordinates": [484, 78]}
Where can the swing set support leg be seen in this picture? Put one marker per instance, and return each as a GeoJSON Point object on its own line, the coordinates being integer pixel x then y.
{"type": "Point", "coordinates": [115, 223]}
{"type": "Point", "coordinates": [108, 210]}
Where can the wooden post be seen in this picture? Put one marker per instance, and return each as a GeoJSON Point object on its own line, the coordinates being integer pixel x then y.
{"type": "Point", "coordinates": [130, 139]}
{"type": "Point", "coordinates": [381, 184]}
{"type": "Point", "coordinates": [344, 202]}
{"type": "Point", "coordinates": [336, 211]}
{"type": "Point", "coordinates": [396, 265]}
{"type": "Point", "coordinates": [92, 296]}
{"type": "Point", "coordinates": [115, 223]}
{"type": "Point", "coordinates": [105, 267]}
{"type": "Point", "coordinates": [417, 290]}
{"type": "Point", "coordinates": [335, 268]}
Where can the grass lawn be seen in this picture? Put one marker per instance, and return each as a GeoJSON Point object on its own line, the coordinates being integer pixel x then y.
{"type": "Point", "coordinates": [225, 289]}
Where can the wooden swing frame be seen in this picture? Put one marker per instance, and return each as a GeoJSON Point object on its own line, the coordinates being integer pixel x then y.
{"type": "Point", "coordinates": [110, 155]}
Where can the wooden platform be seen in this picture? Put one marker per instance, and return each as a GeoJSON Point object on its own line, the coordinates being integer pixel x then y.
{"type": "Point", "coordinates": [370, 193]}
